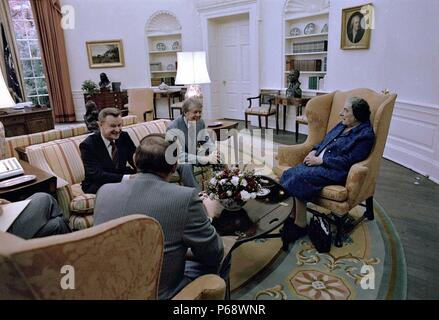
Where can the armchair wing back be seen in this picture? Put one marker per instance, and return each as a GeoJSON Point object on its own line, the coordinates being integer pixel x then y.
{"type": "Point", "coordinates": [140, 100]}
{"type": "Point", "coordinates": [120, 259]}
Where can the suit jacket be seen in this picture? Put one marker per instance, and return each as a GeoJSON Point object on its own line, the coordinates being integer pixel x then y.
{"type": "Point", "coordinates": [98, 165]}
{"type": "Point", "coordinates": [181, 214]}
{"type": "Point", "coordinates": [183, 136]}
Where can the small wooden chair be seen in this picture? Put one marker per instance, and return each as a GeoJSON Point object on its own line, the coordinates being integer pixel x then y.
{"type": "Point", "coordinates": [265, 108]}
{"type": "Point", "coordinates": [178, 105]}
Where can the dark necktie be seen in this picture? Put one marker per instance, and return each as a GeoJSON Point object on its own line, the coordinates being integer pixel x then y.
{"type": "Point", "coordinates": [114, 154]}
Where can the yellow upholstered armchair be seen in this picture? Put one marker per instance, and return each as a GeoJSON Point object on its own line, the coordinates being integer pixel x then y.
{"type": "Point", "coordinates": [323, 114]}
{"type": "Point", "coordinates": [140, 103]}
{"type": "Point", "coordinates": [119, 259]}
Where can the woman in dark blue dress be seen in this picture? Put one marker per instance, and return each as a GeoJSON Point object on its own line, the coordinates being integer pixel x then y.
{"type": "Point", "coordinates": [328, 163]}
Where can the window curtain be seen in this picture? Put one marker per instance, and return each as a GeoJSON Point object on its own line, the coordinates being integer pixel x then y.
{"type": "Point", "coordinates": [47, 15]}
{"type": "Point", "coordinates": [9, 63]}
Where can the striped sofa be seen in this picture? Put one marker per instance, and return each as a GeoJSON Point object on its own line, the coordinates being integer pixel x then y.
{"type": "Point", "coordinates": [12, 143]}
{"type": "Point", "coordinates": [63, 159]}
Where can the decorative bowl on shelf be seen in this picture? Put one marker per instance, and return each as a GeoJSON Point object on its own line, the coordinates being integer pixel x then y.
{"type": "Point", "coordinates": [175, 45]}
{"type": "Point", "coordinates": [295, 32]}
{"type": "Point", "coordinates": [170, 67]}
{"type": "Point", "coordinates": [310, 28]}
{"type": "Point", "coordinates": [160, 46]}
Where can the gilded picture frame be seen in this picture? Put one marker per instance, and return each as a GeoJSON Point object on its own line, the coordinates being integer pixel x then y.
{"type": "Point", "coordinates": [105, 54]}
{"type": "Point", "coordinates": [356, 26]}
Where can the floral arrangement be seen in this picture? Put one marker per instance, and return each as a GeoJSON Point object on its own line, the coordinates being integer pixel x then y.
{"type": "Point", "coordinates": [235, 185]}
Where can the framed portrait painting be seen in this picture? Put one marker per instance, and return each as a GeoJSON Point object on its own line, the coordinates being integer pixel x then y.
{"type": "Point", "coordinates": [356, 26]}
{"type": "Point", "coordinates": [105, 54]}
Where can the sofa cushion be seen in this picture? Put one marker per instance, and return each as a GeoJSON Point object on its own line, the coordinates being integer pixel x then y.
{"type": "Point", "coordinates": [83, 204]}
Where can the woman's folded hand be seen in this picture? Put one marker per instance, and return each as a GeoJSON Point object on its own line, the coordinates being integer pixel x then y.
{"type": "Point", "coordinates": [312, 160]}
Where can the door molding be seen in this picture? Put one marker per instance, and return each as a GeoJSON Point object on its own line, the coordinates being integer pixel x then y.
{"type": "Point", "coordinates": [216, 10]}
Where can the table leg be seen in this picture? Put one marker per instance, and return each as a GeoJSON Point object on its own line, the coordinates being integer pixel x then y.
{"type": "Point", "coordinates": [155, 107]}
{"type": "Point", "coordinates": [285, 116]}
{"type": "Point", "coordinates": [169, 107]}
{"type": "Point", "coordinates": [227, 297]}
{"type": "Point", "coordinates": [235, 145]}
{"type": "Point", "coordinates": [277, 118]}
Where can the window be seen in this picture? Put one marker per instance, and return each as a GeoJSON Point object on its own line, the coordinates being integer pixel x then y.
{"type": "Point", "coordinates": [29, 53]}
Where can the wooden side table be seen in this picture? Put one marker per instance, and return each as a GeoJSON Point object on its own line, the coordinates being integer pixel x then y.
{"type": "Point", "coordinates": [299, 103]}
{"type": "Point", "coordinates": [44, 182]}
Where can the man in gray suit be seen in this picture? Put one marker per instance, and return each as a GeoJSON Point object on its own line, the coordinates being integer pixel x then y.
{"type": "Point", "coordinates": [178, 209]}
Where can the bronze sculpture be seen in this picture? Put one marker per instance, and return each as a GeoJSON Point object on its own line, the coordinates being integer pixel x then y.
{"type": "Point", "coordinates": [104, 84]}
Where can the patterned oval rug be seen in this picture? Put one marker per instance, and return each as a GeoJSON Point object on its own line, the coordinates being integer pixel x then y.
{"type": "Point", "coordinates": [370, 265]}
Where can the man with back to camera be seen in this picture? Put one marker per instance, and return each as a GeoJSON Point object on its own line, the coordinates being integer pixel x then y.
{"type": "Point", "coordinates": [178, 209]}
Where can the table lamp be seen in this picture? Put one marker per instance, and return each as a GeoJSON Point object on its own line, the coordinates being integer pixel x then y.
{"type": "Point", "coordinates": [192, 71]}
{"type": "Point", "coordinates": [6, 100]}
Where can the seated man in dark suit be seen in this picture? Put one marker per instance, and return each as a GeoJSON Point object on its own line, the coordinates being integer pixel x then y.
{"type": "Point", "coordinates": [106, 152]}
{"type": "Point", "coordinates": [42, 217]}
{"type": "Point", "coordinates": [178, 209]}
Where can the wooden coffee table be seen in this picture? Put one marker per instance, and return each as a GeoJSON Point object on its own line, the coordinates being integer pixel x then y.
{"type": "Point", "coordinates": [226, 129]}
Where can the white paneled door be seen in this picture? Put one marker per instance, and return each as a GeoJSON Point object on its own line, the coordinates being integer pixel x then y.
{"type": "Point", "coordinates": [230, 65]}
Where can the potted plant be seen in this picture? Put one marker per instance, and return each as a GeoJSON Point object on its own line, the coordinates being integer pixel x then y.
{"type": "Point", "coordinates": [89, 87]}
{"type": "Point", "coordinates": [233, 187]}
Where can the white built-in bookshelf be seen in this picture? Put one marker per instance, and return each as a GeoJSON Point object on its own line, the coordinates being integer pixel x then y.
{"type": "Point", "coordinates": [306, 42]}
{"type": "Point", "coordinates": [163, 35]}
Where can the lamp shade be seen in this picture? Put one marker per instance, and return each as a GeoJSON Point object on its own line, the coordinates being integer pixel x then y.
{"type": "Point", "coordinates": [192, 68]}
{"type": "Point", "coordinates": [6, 100]}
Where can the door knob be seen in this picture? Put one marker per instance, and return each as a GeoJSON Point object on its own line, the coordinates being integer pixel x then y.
{"type": "Point", "coordinates": [224, 82]}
